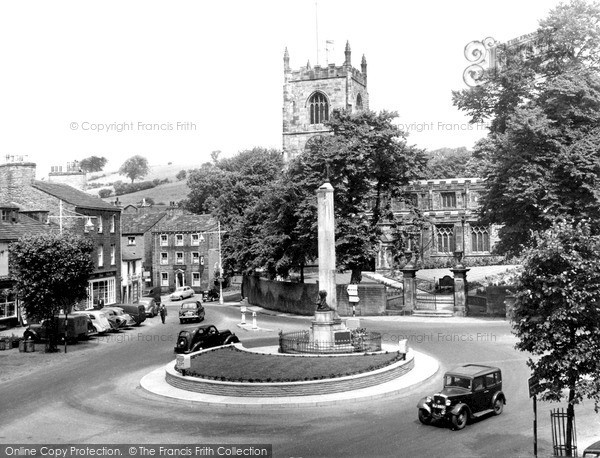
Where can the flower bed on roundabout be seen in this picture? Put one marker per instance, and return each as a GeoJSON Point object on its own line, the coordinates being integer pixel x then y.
{"type": "Point", "coordinates": [235, 371]}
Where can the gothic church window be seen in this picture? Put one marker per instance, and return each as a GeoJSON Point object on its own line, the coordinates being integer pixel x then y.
{"type": "Point", "coordinates": [359, 102]}
{"type": "Point", "coordinates": [480, 238]}
{"type": "Point", "coordinates": [445, 238]}
{"type": "Point", "coordinates": [318, 108]}
{"type": "Point", "coordinates": [448, 199]}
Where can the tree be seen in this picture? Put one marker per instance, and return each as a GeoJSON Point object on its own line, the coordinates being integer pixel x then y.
{"type": "Point", "coordinates": [542, 156]}
{"type": "Point", "coordinates": [181, 175]}
{"type": "Point", "coordinates": [367, 161]}
{"type": "Point", "coordinates": [445, 163]}
{"type": "Point", "coordinates": [51, 273]}
{"type": "Point", "coordinates": [556, 315]}
{"type": "Point", "coordinates": [135, 167]}
{"type": "Point", "coordinates": [93, 164]}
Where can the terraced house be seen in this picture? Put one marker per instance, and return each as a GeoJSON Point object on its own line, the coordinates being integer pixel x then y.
{"type": "Point", "coordinates": [68, 209]}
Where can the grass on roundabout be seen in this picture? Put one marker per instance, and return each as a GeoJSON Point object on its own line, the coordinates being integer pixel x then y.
{"type": "Point", "coordinates": [234, 365]}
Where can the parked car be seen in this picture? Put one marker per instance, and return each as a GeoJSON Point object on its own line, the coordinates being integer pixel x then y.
{"type": "Point", "coordinates": [191, 311]}
{"type": "Point", "coordinates": [77, 329]}
{"type": "Point", "coordinates": [182, 293]}
{"type": "Point", "coordinates": [122, 319]}
{"type": "Point", "coordinates": [150, 306]}
{"type": "Point", "coordinates": [210, 295]}
{"type": "Point", "coordinates": [99, 320]}
{"type": "Point", "coordinates": [205, 336]}
{"type": "Point", "coordinates": [136, 311]}
{"type": "Point", "coordinates": [470, 391]}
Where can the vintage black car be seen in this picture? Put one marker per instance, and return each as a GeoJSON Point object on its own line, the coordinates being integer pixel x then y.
{"type": "Point", "coordinates": [191, 311]}
{"type": "Point", "coordinates": [205, 336]}
{"type": "Point", "coordinates": [470, 391]}
{"type": "Point", "coordinates": [78, 328]}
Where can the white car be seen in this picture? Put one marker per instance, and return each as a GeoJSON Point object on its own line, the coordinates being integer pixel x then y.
{"type": "Point", "coordinates": [99, 320]}
{"type": "Point", "coordinates": [181, 293]}
{"type": "Point", "coordinates": [123, 319]}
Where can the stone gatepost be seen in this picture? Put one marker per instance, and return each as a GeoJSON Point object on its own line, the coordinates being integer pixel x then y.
{"type": "Point", "coordinates": [460, 290]}
{"type": "Point", "coordinates": [409, 273]}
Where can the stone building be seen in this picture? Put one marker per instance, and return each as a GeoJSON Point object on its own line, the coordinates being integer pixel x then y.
{"type": "Point", "coordinates": [450, 211]}
{"type": "Point", "coordinates": [13, 226]}
{"type": "Point", "coordinates": [310, 95]}
{"type": "Point", "coordinates": [71, 174]}
{"type": "Point", "coordinates": [69, 209]}
{"type": "Point", "coordinates": [185, 252]}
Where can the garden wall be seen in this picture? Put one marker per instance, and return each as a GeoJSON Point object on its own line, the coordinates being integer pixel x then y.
{"type": "Point", "coordinates": [301, 298]}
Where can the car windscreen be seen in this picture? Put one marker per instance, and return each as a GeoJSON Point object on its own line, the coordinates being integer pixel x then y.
{"type": "Point", "coordinates": [457, 381]}
{"type": "Point", "coordinates": [189, 306]}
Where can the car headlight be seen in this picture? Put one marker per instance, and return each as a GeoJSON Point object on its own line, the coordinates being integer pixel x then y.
{"type": "Point", "coordinates": [428, 399]}
{"type": "Point", "coordinates": [448, 402]}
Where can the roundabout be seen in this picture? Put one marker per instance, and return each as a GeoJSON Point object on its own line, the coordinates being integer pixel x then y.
{"type": "Point", "coordinates": [391, 380]}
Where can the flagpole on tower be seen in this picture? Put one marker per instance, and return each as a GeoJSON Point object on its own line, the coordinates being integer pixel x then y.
{"type": "Point", "coordinates": [317, 28]}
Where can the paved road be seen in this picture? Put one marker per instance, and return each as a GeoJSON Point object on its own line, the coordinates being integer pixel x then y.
{"type": "Point", "coordinates": [93, 396]}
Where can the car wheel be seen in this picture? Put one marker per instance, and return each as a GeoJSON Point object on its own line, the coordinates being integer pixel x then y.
{"type": "Point", "coordinates": [424, 416]}
{"type": "Point", "coordinates": [498, 406]}
{"type": "Point", "coordinates": [460, 421]}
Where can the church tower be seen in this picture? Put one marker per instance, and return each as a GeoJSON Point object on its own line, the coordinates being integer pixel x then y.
{"type": "Point", "coordinates": [310, 95]}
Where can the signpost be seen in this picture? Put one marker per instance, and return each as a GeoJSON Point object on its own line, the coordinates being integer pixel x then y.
{"type": "Point", "coordinates": [533, 382]}
{"type": "Point", "coordinates": [353, 297]}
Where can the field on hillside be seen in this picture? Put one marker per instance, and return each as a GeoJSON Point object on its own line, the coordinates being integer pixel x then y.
{"type": "Point", "coordinates": [165, 193]}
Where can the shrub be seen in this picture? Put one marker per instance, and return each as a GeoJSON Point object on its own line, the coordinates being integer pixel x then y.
{"type": "Point", "coordinates": [103, 193]}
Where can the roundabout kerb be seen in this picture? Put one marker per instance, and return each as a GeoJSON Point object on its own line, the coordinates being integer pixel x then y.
{"type": "Point", "coordinates": [323, 386]}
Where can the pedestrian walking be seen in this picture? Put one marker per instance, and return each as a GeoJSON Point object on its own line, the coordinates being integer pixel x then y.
{"type": "Point", "coordinates": [163, 312]}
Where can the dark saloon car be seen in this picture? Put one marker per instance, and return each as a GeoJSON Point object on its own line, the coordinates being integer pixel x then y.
{"type": "Point", "coordinates": [191, 311]}
{"type": "Point", "coordinates": [205, 336]}
{"type": "Point", "coordinates": [470, 391]}
{"type": "Point", "coordinates": [135, 311]}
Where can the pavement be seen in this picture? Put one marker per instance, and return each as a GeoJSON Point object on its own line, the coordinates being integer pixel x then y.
{"type": "Point", "coordinates": [425, 368]}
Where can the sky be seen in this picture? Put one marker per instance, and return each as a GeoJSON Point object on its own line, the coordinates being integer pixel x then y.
{"type": "Point", "coordinates": [175, 80]}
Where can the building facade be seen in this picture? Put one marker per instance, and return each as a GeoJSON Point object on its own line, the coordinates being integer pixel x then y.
{"type": "Point", "coordinates": [310, 95]}
{"type": "Point", "coordinates": [69, 209]}
{"type": "Point", "coordinates": [185, 252]}
{"type": "Point", "coordinates": [13, 226]}
{"type": "Point", "coordinates": [448, 223]}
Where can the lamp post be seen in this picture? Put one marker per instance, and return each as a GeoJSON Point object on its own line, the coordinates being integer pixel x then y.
{"type": "Point", "coordinates": [89, 226]}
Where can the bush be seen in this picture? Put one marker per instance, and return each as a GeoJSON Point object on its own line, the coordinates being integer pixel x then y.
{"type": "Point", "coordinates": [103, 193]}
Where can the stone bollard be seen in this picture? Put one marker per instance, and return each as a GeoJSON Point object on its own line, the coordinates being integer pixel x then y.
{"type": "Point", "coordinates": [254, 326]}
{"type": "Point", "coordinates": [243, 310]}
{"type": "Point", "coordinates": [403, 347]}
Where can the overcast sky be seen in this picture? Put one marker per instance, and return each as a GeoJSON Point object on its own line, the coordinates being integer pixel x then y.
{"type": "Point", "coordinates": [69, 67]}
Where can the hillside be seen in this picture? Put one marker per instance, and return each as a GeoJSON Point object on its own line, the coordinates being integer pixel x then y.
{"type": "Point", "coordinates": [173, 191]}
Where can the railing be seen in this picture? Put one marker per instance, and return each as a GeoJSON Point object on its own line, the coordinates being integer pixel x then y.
{"type": "Point", "coordinates": [562, 444]}
{"type": "Point", "coordinates": [301, 342]}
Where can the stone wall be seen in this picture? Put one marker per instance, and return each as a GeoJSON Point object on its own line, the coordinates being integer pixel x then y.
{"type": "Point", "coordinates": [301, 298]}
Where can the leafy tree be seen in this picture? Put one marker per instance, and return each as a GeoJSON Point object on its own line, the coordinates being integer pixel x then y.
{"type": "Point", "coordinates": [181, 175]}
{"type": "Point", "coordinates": [367, 161]}
{"type": "Point", "coordinates": [135, 167]}
{"type": "Point", "coordinates": [51, 272]}
{"type": "Point", "coordinates": [93, 164]}
{"type": "Point", "coordinates": [541, 158]}
{"type": "Point", "coordinates": [556, 315]}
{"type": "Point", "coordinates": [105, 192]}
{"type": "Point", "coordinates": [445, 163]}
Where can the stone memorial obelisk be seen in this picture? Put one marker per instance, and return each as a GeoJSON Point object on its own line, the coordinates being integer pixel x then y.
{"type": "Point", "coordinates": [326, 225]}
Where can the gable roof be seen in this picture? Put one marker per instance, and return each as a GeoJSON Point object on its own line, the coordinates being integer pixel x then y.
{"type": "Point", "coordinates": [188, 222]}
{"type": "Point", "coordinates": [73, 196]}
{"type": "Point", "coordinates": [135, 223]}
{"type": "Point", "coordinates": [25, 225]}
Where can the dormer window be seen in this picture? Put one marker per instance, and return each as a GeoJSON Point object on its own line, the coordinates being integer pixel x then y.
{"type": "Point", "coordinates": [318, 108]}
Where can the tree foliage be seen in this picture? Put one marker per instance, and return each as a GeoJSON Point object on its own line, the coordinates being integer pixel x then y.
{"type": "Point", "coordinates": [446, 163]}
{"type": "Point", "coordinates": [542, 155]}
{"type": "Point", "coordinates": [557, 314]}
{"type": "Point", "coordinates": [135, 167]}
{"type": "Point", "coordinates": [93, 164]}
{"type": "Point", "coordinates": [51, 272]}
